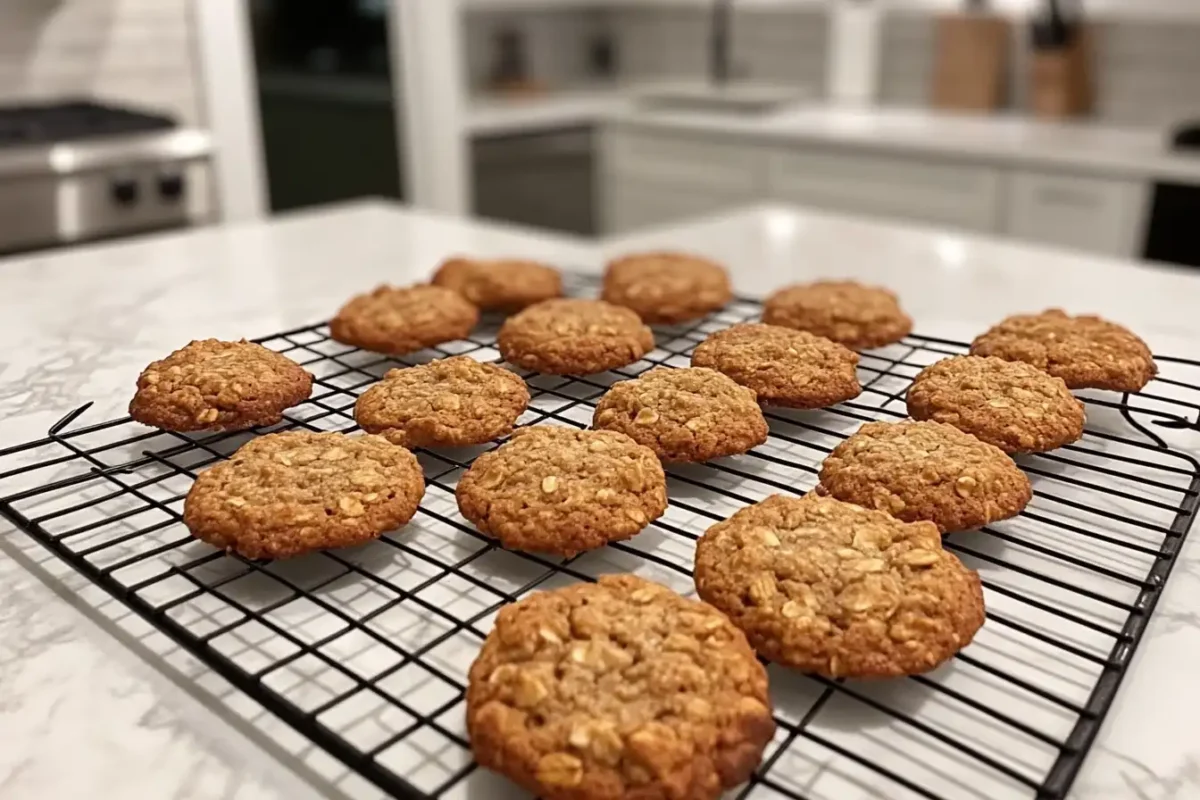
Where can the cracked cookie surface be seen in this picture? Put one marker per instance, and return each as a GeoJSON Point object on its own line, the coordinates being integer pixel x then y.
{"type": "Point", "coordinates": [1085, 351]}
{"type": "Point", "coordinates": [285, 494]}
{"type": "Point", "coordinates": [403, 320]}
{"type": "Point", "coordinates": [574, 337]}
{"type": "Point", "coordinates": [500, 284]}
{"type": "Point", "coordinates": [666, 287]}
{"type": "Point", "coordinates": [784, 367]}
{"type": "Point", "coordinates": [618, 689]}
{"type": "Point", "coordinates": [445, 403]}
{"type": "Point", "coordinates": [846, 312]}
{"type": "Point", "coordinates": [926, 471]}
{"type": "Point", "coordinates": [687, 414]}
{"type": "Point", "coordinates": [213, 385]}
{"type": "Point", "coordinates": [560, 490]}
{"type": "Point", "coordinates": [1012, 405]}
{"type": "Point", "coordinates": [837, 589]}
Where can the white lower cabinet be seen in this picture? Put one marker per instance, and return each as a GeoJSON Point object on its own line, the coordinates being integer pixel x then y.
{"type": "Point", "coordinates": [654, 176]}
{"type": "Point", "coordinates": [1098, 215]}
{"type": "Point", "coordinates": [963, 196]}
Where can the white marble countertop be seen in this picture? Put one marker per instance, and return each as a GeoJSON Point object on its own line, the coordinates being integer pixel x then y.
{"type": "Point", "coordinates": [1079, 147]}
{"type": "Point", "coordinates": [97, 704]}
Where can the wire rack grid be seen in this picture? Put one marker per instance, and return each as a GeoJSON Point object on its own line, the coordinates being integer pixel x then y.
{"type": "Point", "coordinates": [365, 651]}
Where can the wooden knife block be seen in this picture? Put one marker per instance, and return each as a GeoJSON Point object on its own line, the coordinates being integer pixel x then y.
{"type": "Point", "coordinates": [971, 64]}
{"type": "Point", "coordinates": [1060, 81]}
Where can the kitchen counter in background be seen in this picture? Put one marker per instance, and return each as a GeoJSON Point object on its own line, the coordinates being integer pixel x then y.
{"type": "Point", "coordinates": [97, 704]}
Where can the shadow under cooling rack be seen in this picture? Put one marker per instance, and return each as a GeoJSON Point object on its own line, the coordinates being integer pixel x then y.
{"type": "Point", "coordinates": [365, 651]}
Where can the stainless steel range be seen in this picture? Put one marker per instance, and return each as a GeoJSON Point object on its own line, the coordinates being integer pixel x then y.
{"type": "Point", "coordinates": [75, 171]}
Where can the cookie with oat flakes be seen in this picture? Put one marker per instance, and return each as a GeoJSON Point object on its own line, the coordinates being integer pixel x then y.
{"type": "Point", "coordinates": [211, 385]}
{"type": "Point", "coordinates": [499, 284]}
{"type": "Point", "coordinates": [618, 689]}
{"type": "Point", "coordinates": [926, 471]}
{"type": "Point", "coordinates": [846, 312]}
{"type": "Point", "coordinates": [689, 414]}
{"type": "Point", "coordinates": [837, 589]}
{"type": "Point", "coordinates": [560, 490]}
{"type": "Point", "coordinates": [666, 287]}
{"type": "Point", "coordinates": [784, 367]}
{"type": "Point", "coordinates": [1012, 405]}
{"type": "Point", "coordinates": [285, 494]}
{"type": "Point", "coordinates": [403, 320]}
{"type": "Point", "coordinates": [445, 403]}
{"type": "Point", "coordinates": [574, 337]}
{"type": "Point", "coordinates": [1085, 351]}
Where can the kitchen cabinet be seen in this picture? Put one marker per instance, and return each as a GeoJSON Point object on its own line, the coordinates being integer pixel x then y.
{"type": "Point", "coordinates": [1085, 213]}
{"type": "Point", "coordinates": [544, 180]}
{"type": "Point", "coordinates": [957, 195]}
{"type": "Point", "coordinates": [649, 178]}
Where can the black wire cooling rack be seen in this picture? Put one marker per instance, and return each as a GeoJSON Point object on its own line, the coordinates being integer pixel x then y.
{"type": "Point", "coordinates": [365, 651]}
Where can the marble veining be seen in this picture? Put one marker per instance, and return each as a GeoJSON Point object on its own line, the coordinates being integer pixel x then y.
{"type": "Point", "coordinates": [93, 702]}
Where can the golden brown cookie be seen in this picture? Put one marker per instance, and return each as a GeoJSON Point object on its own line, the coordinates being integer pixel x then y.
{"type": "Point", "coordinates": [1085, 351]}
{"type": "Point", "coordinates": [784, 367]}
{"type": "Point", "coordinates": [560, 490]}
{"type": "Point", "coordinates": [503, 284]}
{"type": "Point", "coordinates": [691, 414]}
{"type": "Point", "coordinates": [666, 287]}
{"type": "Point", "coordinates": [847, 312]}
{"type": "Point", "coordinates": [210, 385]}
{"type": "Point", "coordinates": [445, 403]}
{"type": "Point", "coordinates": [618, 689]}
{"type": "Point", "coordinates": [285, 494]}
{"type": "Point", "coordinates": [402, 320]}
{"type": "Point", "coordinates": [574, 337]}
{"type": "Point", "coordinates": [1014, 406]}
{"type": "Point", "coordinates": [926, 471]}
{"type": "Point", "coordinates": [839, 590]}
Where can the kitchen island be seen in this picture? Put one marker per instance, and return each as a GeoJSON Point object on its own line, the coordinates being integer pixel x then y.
{"type": "Point", "coordinates": [98, 704]}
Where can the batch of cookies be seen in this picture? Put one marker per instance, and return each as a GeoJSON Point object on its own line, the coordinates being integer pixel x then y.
{"type": "Point", "coordinates": [622, 687]}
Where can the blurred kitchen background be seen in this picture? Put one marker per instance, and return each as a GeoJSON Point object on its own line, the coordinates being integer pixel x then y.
{"type": "Point", "coordinates": [1073, 123]}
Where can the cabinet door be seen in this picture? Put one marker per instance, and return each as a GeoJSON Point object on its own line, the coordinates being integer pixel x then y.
{"type": "Point", "coordinates": [681, 159]}
{"type": "Point", "coordinates": [1098, 215]}
{"type": "Point", "coordinates": [958, 195]}
{"type": "Point", "coordinates": [630, 205]}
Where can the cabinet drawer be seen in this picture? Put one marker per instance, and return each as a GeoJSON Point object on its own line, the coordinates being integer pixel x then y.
{"type": "Point", "coordinates": [1093, 214]}
{"type": "Point", "coordinates": [683, 160]}
{"type": "Point", "coordinates": [958, 195]}
{"type": "Point", "coordinates": [631, 205]}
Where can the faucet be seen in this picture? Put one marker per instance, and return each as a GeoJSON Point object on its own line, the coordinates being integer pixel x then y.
{"type": "Point", "coordinates": [719, 53]}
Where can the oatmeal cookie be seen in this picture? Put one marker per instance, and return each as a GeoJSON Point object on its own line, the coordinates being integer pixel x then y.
{"type": "Point", "coordinates": [210, 385]}
{"type": "Point", "coordinates": [285, 494]}
{"type": "Point", "coordinates": [500, 284]}
{"type": "Point", "coordinates": [560, 490]}
{"type": "Point", "coordinates": [1085, 351]}
{"type": "Point", "coordinates": [839, 590]}
{"type": "Point", "coordinates": [574, 337]}
{"type": "Point", "coordinates": [446, 403]}
{"type": "Point", "coordinates": [691, 414]}
{"type": "Point", "coordinates": [847, 312]}
{"type": "Point", "coordinates": [1012, 405]}
{"type": "Point", "coordinates": [402, 320]}
{"type": "Point", "coordinates": [784, 367]}
{"type": "Point", "coordinates": [926, 471]}
{"type": "Point", "coordinates": [666, 287]}
{"type": "Point", "coordinates": [618, 689]}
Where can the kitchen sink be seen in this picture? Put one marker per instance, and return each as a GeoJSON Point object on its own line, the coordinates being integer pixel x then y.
{"type": "Point", "coordinates": [735, 99]}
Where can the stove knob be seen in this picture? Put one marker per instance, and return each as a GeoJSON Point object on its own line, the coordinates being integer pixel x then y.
{"type": "Point", "coordinates": [125, 192]}
{"type": "Point", "coordinates": [171, 187]}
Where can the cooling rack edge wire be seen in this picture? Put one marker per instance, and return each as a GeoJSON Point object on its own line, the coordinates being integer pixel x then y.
{"type": "Point", "coordinates": [1074, 581]}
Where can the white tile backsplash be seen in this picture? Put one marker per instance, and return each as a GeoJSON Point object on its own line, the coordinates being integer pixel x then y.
{"type": "Point", "coordinates": [126, 51]}
{"type": "Point", "coordinates": [784, 45]}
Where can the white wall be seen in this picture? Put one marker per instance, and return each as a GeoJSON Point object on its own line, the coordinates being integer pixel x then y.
{"type": "Point", "coordinates": [135, 51]}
